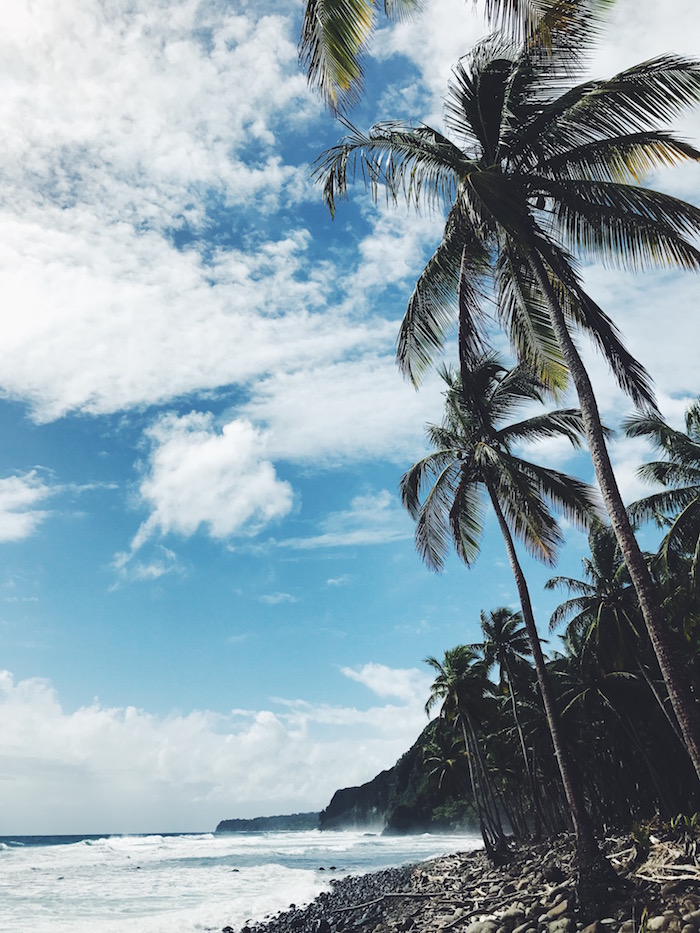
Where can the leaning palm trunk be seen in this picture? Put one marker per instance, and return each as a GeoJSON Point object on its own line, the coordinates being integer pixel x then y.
{"type": "Point", "coordinates": [491, 830]}
{"type": "Point", "coordinates": [587, 851]}
{"type": "Point", "coordinates": [682, 700]}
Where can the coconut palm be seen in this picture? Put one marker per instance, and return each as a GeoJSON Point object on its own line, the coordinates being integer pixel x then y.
{"type": "Point", "coordinates": [462, 687]}
{"type": "Point", "coordinates": [527, 174]}
{"type": "Point", "coordinates": [472, 464]}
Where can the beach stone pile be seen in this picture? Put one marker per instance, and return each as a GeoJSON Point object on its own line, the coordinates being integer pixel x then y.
{"type": "Point", "coordinates": [534, 893]}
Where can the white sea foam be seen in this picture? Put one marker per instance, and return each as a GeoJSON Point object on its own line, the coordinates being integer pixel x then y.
{"type": "Point", "coordinates": [186, 884]}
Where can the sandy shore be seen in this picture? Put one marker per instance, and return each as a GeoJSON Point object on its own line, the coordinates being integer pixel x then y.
{"type": "Point", "coordinates": [534, 893]}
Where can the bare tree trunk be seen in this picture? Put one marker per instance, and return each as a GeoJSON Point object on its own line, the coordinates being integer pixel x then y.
{"type": "Point", "coordinates": [684, 704]}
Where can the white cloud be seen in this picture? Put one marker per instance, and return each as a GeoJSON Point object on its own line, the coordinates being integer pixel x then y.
{"type": "Point", "coordinates": [408, 685]}
{"type": "Point", "coordinates": [61, 769]}
{"type": "Point", "coordinates": [19, 496]}
{"type": "Point", "coordinates": [338, 581]}
{"type": "Point", "coordinates": [199, 476]}
{"type": "Point", "coordinates": [275, 599]}
{"type": "Point", "coordinates": [345, 411]}
{"type": "Point", "coordinates": [374, 518]}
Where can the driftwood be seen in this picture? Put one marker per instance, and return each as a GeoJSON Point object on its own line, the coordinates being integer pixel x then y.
{"type": "Point", "coordinates": [666, 861]}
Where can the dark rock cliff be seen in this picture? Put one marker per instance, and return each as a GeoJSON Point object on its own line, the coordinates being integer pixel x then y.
{"type": "Point", "coordinates": [402, 799]}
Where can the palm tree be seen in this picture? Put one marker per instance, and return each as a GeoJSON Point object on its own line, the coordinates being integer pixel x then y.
{"type": "Point", "coordinates": [603, 616]}
{"type": "Point", "coordinates": [534, 174]}
{"type": "Point", "coordinates": [604, 612]}
{"type": "Point", "coordinates": [677, 507]}
{"type": "Point", "coordinates": [461, 685]}
{"type": "Point", "coordinates": [505, 643]}
{"type": "Point", "coordinates": [473, 463]}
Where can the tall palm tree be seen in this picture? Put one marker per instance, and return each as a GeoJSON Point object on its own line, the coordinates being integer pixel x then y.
{"type": "Point", "coordinates": [461, 686]}
{"type": "Point", "coordinates": [533, 174]}
{"type": "Point", "coordinates": [472, 464]}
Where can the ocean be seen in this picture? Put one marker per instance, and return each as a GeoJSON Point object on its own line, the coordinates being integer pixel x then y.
{"type": "Point", "coordinates": [186, 883]}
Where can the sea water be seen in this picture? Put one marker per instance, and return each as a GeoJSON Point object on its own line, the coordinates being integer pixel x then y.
{"type": "Point", "coordinates": [186, 883]}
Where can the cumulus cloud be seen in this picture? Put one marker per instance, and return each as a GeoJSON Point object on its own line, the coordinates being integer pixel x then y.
{"type": "Point", "coordinates": [407, 685]}
{"type": "Point", "coordinates": [19, 496]}
{"type": "Point", "coordinates": [344, 411]}
{"type": "Point", "coordinates": [374, 518]}
{"type": "Point", "coordinates": [198, 476]}
{"type": "Point", "coordinates": [60, 770]}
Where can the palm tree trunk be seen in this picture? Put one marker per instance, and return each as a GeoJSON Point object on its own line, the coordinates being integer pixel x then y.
{"type": "Point", "coordinates": [523, 748]}
{"type": "Point", "coordinates": [684, 703]}
{"type": "Point", "coordinates": [587, 851]}
{"type": "Point", "coordinates": [670, 719]}
{"type": "Point", "coordinates": [486, 831]}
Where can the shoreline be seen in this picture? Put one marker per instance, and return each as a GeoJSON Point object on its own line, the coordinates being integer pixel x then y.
{"type": "Point", "coordinates": [533, 893]}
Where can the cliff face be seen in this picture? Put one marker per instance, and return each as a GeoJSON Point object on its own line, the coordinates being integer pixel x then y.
{"type": "Point", "coordinates": [402, 799]}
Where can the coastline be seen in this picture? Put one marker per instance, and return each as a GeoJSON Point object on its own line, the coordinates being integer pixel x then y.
{"type": "Point", "coordinates": [533, 893]}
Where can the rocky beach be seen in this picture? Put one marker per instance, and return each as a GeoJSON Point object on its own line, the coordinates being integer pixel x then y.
{"type": "Point", "coordinates": [657, 890]}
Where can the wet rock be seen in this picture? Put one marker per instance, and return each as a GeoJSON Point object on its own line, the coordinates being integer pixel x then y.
{"type": "Point", "coordinates": [657, 924]}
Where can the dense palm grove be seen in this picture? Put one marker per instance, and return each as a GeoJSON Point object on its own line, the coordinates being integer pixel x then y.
{"type": "Point", "coordinates": [535, 173]}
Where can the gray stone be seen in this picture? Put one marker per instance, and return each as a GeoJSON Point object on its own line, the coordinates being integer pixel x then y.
{"type": "Point", "coordinates": [657, 924]}
{"type": "Point", "coordinates": [689, 928]}
{"type": "Point", "coordinates": [512, 917]}
{"type": "Point", "coordinates": [526, 925]}
{"type": "Point", "coordinates": [558, 910]}
{"type": "Point", "coordinates": [692, 917]}
{"type": "Point", "coordinates": [592, 927]}
{"type": "Point", "coordinates": [561, 925]}
{"type": "Point", "coordinates": [481, 926]}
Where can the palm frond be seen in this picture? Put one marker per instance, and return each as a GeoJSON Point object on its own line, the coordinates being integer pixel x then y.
{"type": "Point", "coordinates": [566, 423]}
{"type": "Point", "coordinates": [624, 225]}
{"type": "Point", "coordinates": [580, 308]}
{"type": "Point", "coordinates": [622, 159]}
{"type": "Point", "coordinates": [334, 37]}
{"type": "Point", "coordinates": [524, 314]}
{"type": "Point", "coordinates": [453, 272]}
{"type": "Point", "coordinates": [413, 161]}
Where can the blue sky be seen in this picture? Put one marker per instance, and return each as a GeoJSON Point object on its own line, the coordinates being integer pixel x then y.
{"type": "Point", "coordinates": [210, 604]}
